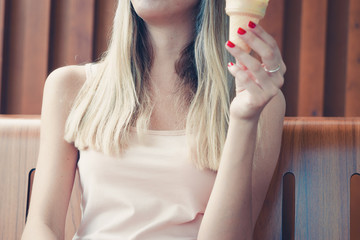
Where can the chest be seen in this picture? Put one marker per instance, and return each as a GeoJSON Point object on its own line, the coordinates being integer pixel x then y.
{"type": "Point", "coordinates": [158, 168]}
{"type": "Point", "coordinates": [169, 113]}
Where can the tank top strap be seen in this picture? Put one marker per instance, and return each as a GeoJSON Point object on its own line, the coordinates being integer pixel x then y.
{"type": "Point", "coordinates": [89, 71]}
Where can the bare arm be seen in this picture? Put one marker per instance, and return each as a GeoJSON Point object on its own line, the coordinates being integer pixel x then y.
{"type": "Point", "coordinates": [56, 164]}
{"type": "Point", "coordinates": [247, 164]}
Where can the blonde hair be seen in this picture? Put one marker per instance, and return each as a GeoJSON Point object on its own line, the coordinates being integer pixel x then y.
{"type": "Point", "coordinates": [118, 97]}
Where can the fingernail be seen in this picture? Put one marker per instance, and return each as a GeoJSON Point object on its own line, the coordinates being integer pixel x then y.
{"type": "Point", "coordinates": [230, 44]}
{"type": "Point", "coordinates": [230, 64]}
{"type": "Point", "coordinates": [241, 31]}
{"type": "Point", "coordinates": [252, 24]}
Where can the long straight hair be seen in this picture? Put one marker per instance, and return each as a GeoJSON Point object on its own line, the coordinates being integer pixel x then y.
{"type": "Point", "coordinates": [118, 97]}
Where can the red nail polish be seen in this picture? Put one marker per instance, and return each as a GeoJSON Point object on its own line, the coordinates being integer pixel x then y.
{"type": "Point", "coordinates": [241, 31]}
{"type": "Point", "coordinates": [230, 64]}
{"type": "Point", "coordinates": [252, 24]}
{"type": "Point", "coordinates": [230, 44]}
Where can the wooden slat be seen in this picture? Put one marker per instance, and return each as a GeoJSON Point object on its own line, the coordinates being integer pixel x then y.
{"type": "Point", "coordinates": [323, 154]}
{"type": "Point", "coordinates": [322, 182]}
{"type": "Point", "coordinates": [291, 48]}
{"type": "Point", "coordinates": [2, 26]}
{"type": "Point", "coordinates": [352, 107]}
{"type": "Point", "coordinates": [336, 63]}
{"type": "Point", "coordinates": [312, 58]}
{"type": "Point", "coordinates": [323, 66]}
{"type": "Point", "coordinates": [28, 53]}
{"type": "Point", "coordinates": [19, 147]}
{"type": "Point", "coordinates": [18, 153]}
{"type": "Point", "coordinates": [105, 11]}
{"type": "Point", "coordinates": [72, 32]}
{"type": "Point", "coordinates": [273, 21]}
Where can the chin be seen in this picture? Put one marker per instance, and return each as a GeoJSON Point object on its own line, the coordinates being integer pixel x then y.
{"type": "Point", "coordinates": [155, 10]}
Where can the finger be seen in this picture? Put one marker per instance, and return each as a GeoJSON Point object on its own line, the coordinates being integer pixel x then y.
{"type": "Point", "coordinates": [252, 64]}
{"type": "Point", "coordinates": [263, 35]}
{"type": "Point", "coordinates": [240, 65]}
{"type": "Point", "coordinates": [267, 38]}
{"type": "Point", "coordinates": [270, 55]}
{"type": "Point", "coordinates": [277, 79]}
{"type": "Point", "coordinates": [243, 81]}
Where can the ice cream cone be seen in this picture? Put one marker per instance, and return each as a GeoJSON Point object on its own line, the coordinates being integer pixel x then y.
{"type": "Point", "coordinates": [240, 13]}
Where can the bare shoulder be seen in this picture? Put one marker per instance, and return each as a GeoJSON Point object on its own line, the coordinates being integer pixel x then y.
{"type": "Point", "coordinates": [64, 83]}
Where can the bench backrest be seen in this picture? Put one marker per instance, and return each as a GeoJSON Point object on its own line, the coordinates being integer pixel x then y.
{"type": "Point", "coordinates": [309, 196]}
{"type": "Point", "coordinates": [19, 146]}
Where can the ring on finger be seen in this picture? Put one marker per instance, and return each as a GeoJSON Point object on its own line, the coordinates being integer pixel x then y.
{"type": "Point", "coordinates": [272, 70]}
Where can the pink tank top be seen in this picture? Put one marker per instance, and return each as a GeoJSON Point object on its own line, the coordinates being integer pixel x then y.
{"type": "Point", "coordinates": [152, 192]}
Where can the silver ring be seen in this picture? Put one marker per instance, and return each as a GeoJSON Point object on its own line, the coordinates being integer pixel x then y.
{"type": "Point", "coordinates": [272, 70]}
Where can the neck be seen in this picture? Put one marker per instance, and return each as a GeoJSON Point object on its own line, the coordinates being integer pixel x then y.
{"type": "Point", "coordinates": [168, 40]}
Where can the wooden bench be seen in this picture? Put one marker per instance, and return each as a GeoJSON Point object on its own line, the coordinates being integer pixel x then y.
{"type": "Point", "coordinates": [318, 158]}
{"type": "Point", "coordinates": [19, 146]}
{"type": "Point", "coordinates": [309, 196]}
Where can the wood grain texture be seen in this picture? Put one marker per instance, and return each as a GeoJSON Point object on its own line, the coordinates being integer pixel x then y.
{"type": "Point", "coordinates": [19, 146]}
{"type": "Point", "coordinates": [273, 21]}
{"type": "Point", "coordinates": [27, 64]}
{"type": "Point", "coordinates": [319, 41]}
{"type": "Point", "coordinates": [336, 57]}
{"type": "Point", "coordinates": [2, 36]}
{"type": "Point", "coordinates": [312, 58]}
{"type": "Point", "coordinates": [322, 153]}
{"type": "Point", "coordinates": [105, 11]}
{"type": "Point", "coordinates": [291, 48]}
{"type": "Point", "coordinates": [353, 61]}
{"type": "Point", "coordinates": [18, 153]}
{"type": "Point", "coordinates": [72, 32]}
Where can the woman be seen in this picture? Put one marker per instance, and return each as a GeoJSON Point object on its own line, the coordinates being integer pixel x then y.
{"type": "Point", "coordinates": [143, 176]}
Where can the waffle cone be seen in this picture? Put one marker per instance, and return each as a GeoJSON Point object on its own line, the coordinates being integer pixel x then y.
{"type": "Point", "coordinates": [242, 21]}
{"type": "Point", "coordinates": [241, 12]}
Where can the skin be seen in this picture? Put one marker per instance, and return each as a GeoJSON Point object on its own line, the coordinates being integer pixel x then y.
{"type": "Point", "coordinates": [244, 175]}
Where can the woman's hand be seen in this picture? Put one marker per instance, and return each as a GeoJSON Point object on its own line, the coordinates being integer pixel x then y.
{"type": "Point", "coordinates": [256, 82]}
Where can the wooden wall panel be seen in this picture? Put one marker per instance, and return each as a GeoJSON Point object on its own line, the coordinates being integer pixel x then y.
{"type": "Point", "coordinates": [336, 51]}
{"type": "Point", "coordinates": [312, 58]}
{"type": "Point", "coordinates": [105, 11]}
{"type": "Point", "coordinates": [19, 147]}
{"type": "Point", "coordinates": [319, 41]}
{"type": "Point", "coordinates": [353, 61]}
{"type": "Point", "coordinates": [2, 26]}
{"type": "Point", "coordinates": [28, 52]}
{"type": "Point", "coordinates": [292, 22]}
{"type": "Point", "coordinates": [273, 21]}
{"type": "Point", "coordinates": [18, 153]}
{"type": "Point", "coordinates": [72, 32]}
